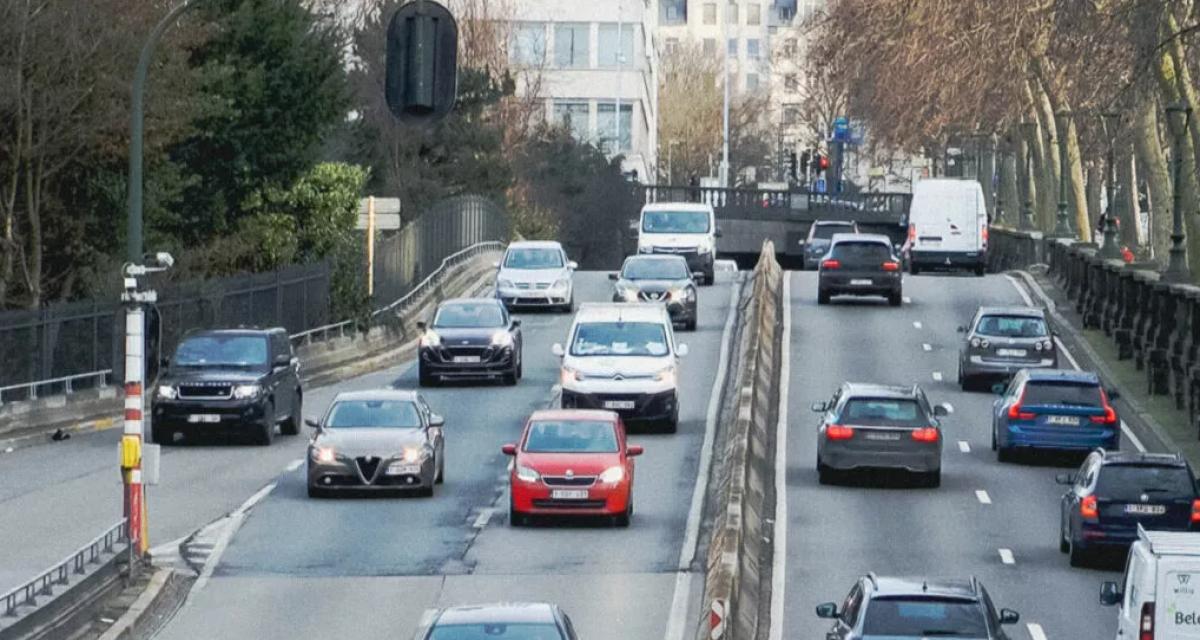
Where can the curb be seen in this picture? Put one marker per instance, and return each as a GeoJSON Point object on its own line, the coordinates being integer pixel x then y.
{"type": "Point", "coordinates": [131, 619]}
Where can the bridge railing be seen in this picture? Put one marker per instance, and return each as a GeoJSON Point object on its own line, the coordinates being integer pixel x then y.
{"type": "Point", "coordinates": [795, 206]}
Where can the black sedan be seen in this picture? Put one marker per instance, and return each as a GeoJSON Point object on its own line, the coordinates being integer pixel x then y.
{"type": "Point", "coordinates": [470, 338]}
{"type": "Point", "coordinates": [659, 278]}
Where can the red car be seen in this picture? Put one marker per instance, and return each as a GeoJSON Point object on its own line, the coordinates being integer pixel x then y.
{"type": "Point", "coordinates": [572, 462]}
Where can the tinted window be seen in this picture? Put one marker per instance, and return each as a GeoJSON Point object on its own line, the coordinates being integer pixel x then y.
{"type": "Point", "coordinates": [826, 231]}
{"type": "Point", "coordinates": [1066, 393]}
{"type": "Point", "coordinates": [533, 259]}
{"type": "Point", "coordinates": [884, 411]}
{"type": "Point", "coordinates": [925, 617]}
{"type": "Point", "coordinates": [469, 315]}
{"type": "Point", "coordinates": [655, 270]}
{"type": "Point", "coordinates": [374, 414]}
{"type": "Point", "coordinates": [1129, 482]}
{"type": "Point", "coordinates": [1011, 327]}
{"type": "Point", "coordinates": [490, 631]}
{"type": "Point", "coordinates": [862, 252]}
{"type": "Point", "coordinates": [222, 351]}
{"type": "Point", "coordinates": [571, 436]}
{"type": "Point", "coordinates": [675, 222]}
{"type": "Point", "coordinates": [620, 339]}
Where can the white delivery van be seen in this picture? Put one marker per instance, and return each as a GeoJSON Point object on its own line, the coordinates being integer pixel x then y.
{"type": "Point", "coordinates": [687, 229]}
{"type": "Point", "coordinates": [947, 226]}
{"type": "Point", "coordinates": [1160, 598]}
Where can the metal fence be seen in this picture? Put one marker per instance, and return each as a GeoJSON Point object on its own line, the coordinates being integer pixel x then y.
{"type": "Point", "coordinates": [770, 205]}
{"type": "Point", "coordinates": [106, 546]}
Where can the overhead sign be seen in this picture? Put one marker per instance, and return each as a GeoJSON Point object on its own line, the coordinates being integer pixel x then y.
{"type": "Point", "coordinates": [841, 129]}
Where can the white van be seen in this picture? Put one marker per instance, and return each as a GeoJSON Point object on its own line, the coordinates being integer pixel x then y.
{"type": "Point", "coordinates": [688, 229]}
{"type": "Point", "coordinates": [1160, 599]}
{"type": "Point", "coordinates": [623, 357]}
{"type": "Point", "coordinates": [947, 226]}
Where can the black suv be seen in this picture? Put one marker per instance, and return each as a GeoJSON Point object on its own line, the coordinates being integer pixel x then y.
{"type": "Point", "coordinates": [1114, 491]}
{"type": "Point", "coordinates": [879, 607]}
{"type": "Point", "coordinates": [860, 265]}
{"type": "Point", "coordinates": [237, 381]}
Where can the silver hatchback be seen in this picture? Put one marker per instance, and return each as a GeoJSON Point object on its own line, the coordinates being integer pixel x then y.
{"type": "Point", "coordinates": [1001, 341]}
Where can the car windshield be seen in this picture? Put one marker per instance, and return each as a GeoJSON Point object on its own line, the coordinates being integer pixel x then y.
{"type": "Point", "coordinates": [1128, 483]}
{"type": "Point", "coordinates": [675, 222]}
{"type": "Point", "coordinates": [620, 339]}
{"type": "Point", "coordinates": [222, 351]}
{"type": "Point", "coordinates": [469, 315]}
{"type": "Point", "coordinates": [826, 231]}
{"type": "Point", "coordinates": [571, 436]}
{"type": "Point", "coordinates": [1000, 326]}
{"type": "Point", "coordinates": [1040, 392]}
{"type": "Point", "coordinates": [925, 617]}
{"type": "Point", "coordinates": [888, 412]}
{"type": "Point", "coordinates": [374, 414]}
{"type": "Point", "coordinates": [533, 259]}
{"type": "Point", "coordinates": [862, 252]}
{"type": "Point", "coordinates": [655, 269]}
{"type": "Point", "coordinates": [522, 631]}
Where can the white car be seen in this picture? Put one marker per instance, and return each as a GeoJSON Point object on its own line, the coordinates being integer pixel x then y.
{"type": "Point", "coordinates": [623, 357]}
{"type": "Point", "coordinates": [536, 274]}
{"type": "Point", "coordinates": [686, 229]}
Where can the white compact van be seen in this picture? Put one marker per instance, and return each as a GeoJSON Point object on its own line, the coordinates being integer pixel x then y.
{"type": "Point", "coordinates": [1160, 596]}
{"type": "Point", "coordinates": [947, 226]}
{"type": "Point", "coordinates": [623, 357]}
{"type": "Point", "coordinates": [687, 229]}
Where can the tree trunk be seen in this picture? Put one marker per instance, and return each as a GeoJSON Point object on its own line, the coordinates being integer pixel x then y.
{"type": "Point", "coordinates": [1170, 75]}
{"type": "Point", "coordinates": [1094, 176]}
{"type": "Point", "coordinates": [1152, 162]}
{"type": "Point", "coordinates": [1185, 86]}
{"type": "Point", "coordinates": [1009, 164]}
{"type": "Point", "coordinates": [1131, 228]}
{"type": "Point", "coordinates": [1076, 184]}
{"type": "Point", "coordinates": [1046, 158]}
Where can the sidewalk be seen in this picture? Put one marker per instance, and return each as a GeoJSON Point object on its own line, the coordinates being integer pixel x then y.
{"type": "Point", "coordinates": [1154, 421]}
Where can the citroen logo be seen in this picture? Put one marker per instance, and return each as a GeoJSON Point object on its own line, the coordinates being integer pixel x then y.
{"type": "Point", "coordinates": [618, 377]}
{"type": "Point", "coordinates": [570, 473]}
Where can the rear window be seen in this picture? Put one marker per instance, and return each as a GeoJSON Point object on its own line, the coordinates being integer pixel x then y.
{"type": "Point", "coordinates": [826, 231]}
{"type": "Point", "coordinates": [488, 631]}
{"type": "Point", "coordinates": [1000, 326]}
{"type": "Point", "coordinates": [862, 252]}
{"type": "Point", "coordinates": [1128, 482]}
{"type": "Point", "coordinates": [1063, 393]}
{"type": "Point", "coordinates": [925, 617]}
{"type": "Point", "coordinates": [888, 412]}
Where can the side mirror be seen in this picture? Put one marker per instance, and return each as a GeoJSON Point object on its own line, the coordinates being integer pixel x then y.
{"type": "Point", "coordinates": [999, 388]}
{"type": "Point", "coordinates": [495, 265]}
{"type": "Point", "coordinates": [509, 449]}
{"type": "Point", "coordinates": [681, 350]}
{"type": "Point", "coordinates": [1055, 334]}
{"type": "Point", "coordinates": [718, 233]}
{"type": "Point", "coordinates": [1008, 616]}
{"type": "Point", "coordinates": [283, 360]}
{"type": "Point", "coordinates": [827, 610]}
{"type": "Point", "coordinates": [819, 407]}
{"type": "Point", "coordinates": [1110, 594]}
{"type": "Point", "coordinates": [436, 420]}
{"type": "Point", "coordinates": [614, 277]}
{"type": "Point", "coordinates": [1113, 394]}
{"type": "Point", "coordinates": [558, 350]}
{"type": "Point", "coordinates": [312, 423]}
{"type": "Point", "coordinates": [422, 325]}
{"type": "Point", "coordinates": [1066, 479]}
{"type": "Point", "coordinates": [516, 323]}
{"type": "Point", "coordinates": [572, 265]}
{"type": "Point", "coordinates": [634, 450]}
{"type": "Point", "coordinates": [943, 410]}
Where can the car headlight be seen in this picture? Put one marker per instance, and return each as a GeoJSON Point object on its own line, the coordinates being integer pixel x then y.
{"type": "Point", "coordinates": [704, 248]}
{"type": "Point", "coordinates": [629, 294]}
{"type": "Point", "coordinates": [324, 454]}
{"type": "Point", "coordinates": [167, 392]}
{"type": "Point", "coordinates": [561, 284]}
{"type": "Point", "coordinates": [412, 454]}
{"type": "Point", "coordinates": [687, 293]}
{"type": "Point", "coordinates": [569, 375]}
{"type": "Point", "coordinates": [975, 342]}
{"type": "Point", "coordinates": [245, 391]}
{"type": "Point", "coordinates": [612, 475]}
{"type": "Point", "coordinates": [666, 376]}
{"type": "Point", "coordinates": [502, 339]}
{"type": "Point", "coordinates": [430, 339]}
{"type": "Point", "coordinates": [645, 249]}
{"type": "Point", "coordinates": [525, 474]}
{"type": "Point", "coordinates": [505, 283]}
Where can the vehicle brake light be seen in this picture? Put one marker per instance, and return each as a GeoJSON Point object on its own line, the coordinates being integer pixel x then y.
{"type": "Point", "coordinates": [1146, 629]}
{"type": "Point", "coordinates": [1195, 511]}
{"type": "Point", "coordinates": [912, 232]}
{"type": "Point", "coordinates": [1110, 415]}
{"type": "Point", "coordinates": [891, 266]}
{"type": "Point", "coordinates": [839, 432]}
{"type": "Point", "coordinates": [831, 264]}
{"type": "Point", "coordinates": [1088, 508]}
{"type": "Point", "coordinates": [1015, 412]}
{"type": "Point", "coordinates": [985, 236]}
{"type": "Point", "coordinates": [926, 434]}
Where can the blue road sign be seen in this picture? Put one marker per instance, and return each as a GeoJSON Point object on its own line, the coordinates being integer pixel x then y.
{"type": "Point", "coordinates": [841, 128]}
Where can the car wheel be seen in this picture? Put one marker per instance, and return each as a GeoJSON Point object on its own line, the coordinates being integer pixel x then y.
{"type": "Point", "coordinates": [895, 299]}
{"type": "Point", "coordinates": [690, 325]}
{"type": "Point", "coordinates": [266, 430]}
{"type": "Point", "coordinates": [824, 474]}
{"type": "Point", "coordinates": [441, 470]}
{"type": "Point", "coordinates": [1077, 556]}
{"type": "Point", "coordinates": [1063, 545]}
{"type": "Point", "coordinates": [623, 520]}
{"type": "Point", "coordinates": [933, 479]}
{"type": "Point", "coordinates": [994, 447]}
{"type": "Point", "coordinates": [964, 381]}
{"type": "Point", "coordinates": [913, 269]}
{"type": "Point", "coordinates": [710, 278]}
{"type": "Point", "coordinates": [291, 426]}
{"type": "Point", "coordinates": [510, 378]}
{"type": "Point", "coordinates": [516, 518]}
{"type": "Point", "coordinates": [159, 435]}
{"type": "Point", "coordinates": [425, 379]}
{"type": "Point", "coordinates": [520, 364]}
{"type": "Point", "coordinates": [316, 492]}
{"type": "Point", "coordinates": [823, 296]}
{"type": "Point", "coordinates": [671, 425]}
{"type": "Point", "coordinates": [1004, 454]}
{"type": "Point", "coordinates": [980, 270]}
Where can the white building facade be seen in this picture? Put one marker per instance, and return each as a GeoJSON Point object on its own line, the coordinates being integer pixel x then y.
{"type": "Point", "coordinates": [595, 64]}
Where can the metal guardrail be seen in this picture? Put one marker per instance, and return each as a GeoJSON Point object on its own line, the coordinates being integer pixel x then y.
{"type": "Point", "coordinates": [341, 329]}
{"type": "Point", "coordinates": [60, 574]}
{"type": "Point", "coordinates": [101, 377]}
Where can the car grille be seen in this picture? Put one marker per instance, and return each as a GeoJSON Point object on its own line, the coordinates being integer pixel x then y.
{"type": "Point", "coordinates": [221, 391]}
{"type": "Point", "coordinates": [673, 250]}
{"type": "Point", "coordinates": [652, 296]}
{"type": "Point", "coordinates": [540, 286]}
{"type": "Point", "coordinates": [563, 481]}
{"type": "Point", "coordinates": [367, 466]}
{"type": "Point", "coordinates": [481, 352]}
{"type": "Point", "coordinates": [568, 504]}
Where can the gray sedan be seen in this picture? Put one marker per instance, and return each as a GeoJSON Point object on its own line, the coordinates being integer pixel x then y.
{"type": "Point", "coordinates": [1001, 341]}
{"type": "Point", "coordinates": [380, 440]}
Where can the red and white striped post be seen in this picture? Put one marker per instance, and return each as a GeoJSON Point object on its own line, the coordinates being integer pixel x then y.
{"type": "Point", "coordinates": [131, 441]}
{"type": "Point", "coordinates": [716, 619]}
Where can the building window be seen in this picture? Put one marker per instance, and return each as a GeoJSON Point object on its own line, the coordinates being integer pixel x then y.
{"type": "Point", "coordinates": [607, 48]}
{"type": "Point", "coordinates": [732, 16]}
{"type": "Point", "coordinates": [789, 47]}
{"type": "Point", "coordinates": [754, 14]}
{"type": "Point", "coordinates": [671, 45]}
{"type": "Point", "coordinates": [791, 114]}
{"type": "Point", "coordinates": [752, 48]}
{"type": "Point", "coordinates": [710, 46]}
{"type": "Point", "coordinates": [674, 12]}
{"type": "Point", "coordinates": [733, 47]}
{"type": "Point", "coordinates": [528, 44]}
{"type": "Point", "coordinates": [751, 82]}
{"type": "Point", "coordinates": [606, 126]}
{"type": "Point", "coordinates": [791, 83]}
{"type": "Point", "coordinates": [573, 114]}
{"type": "Point", "coordinates": [710, 13]}
{"type": "Point", "coordinates": [571, 45]}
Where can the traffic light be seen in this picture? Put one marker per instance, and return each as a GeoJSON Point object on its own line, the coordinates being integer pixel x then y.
{"type": "Point", "coordinates": [822, 161]}
{"type": "Point", "coordinates": [422, 62]}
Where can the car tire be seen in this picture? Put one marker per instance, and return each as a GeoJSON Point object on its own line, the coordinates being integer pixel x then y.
{"type": "Point", "coordinates": [994, 445]}
{"type": "Point", "coordinates": [291, 426]}
{"type": "Point", "coordinates": [913, 269]}
{"type": "Point", "coordinates": [1063, 545]}
{"type": "Point", "coordinates": [825, 475]}
{"type": "Point", "coordinates": [622, 521]}
{"type": "Point", "coordinates": [425, 379]}
{"type": "Point", "coordinates": [161, 436]}
{"type": "Point", "coordinates": [980, 270]}
{"type": "Point", "coordinates": [823, 296]}
{"type": "Point", "coordinates": [671, 425]}
{"type": "Point", "coordinates": [933, 479]}
{"type": "Point", "coordinates": [1004, 454]}
{"type": "Point", "coordinates": [895, 299]}
{"type": "Point", "coordinates": [1078, 557]}
{"type": "Point", "coordinates": [266, 430]}
{"type": "Point", "coordinates": [710, 278]}
{"type": "Point", "coordinates": [520, 364]}
{"type": "Point", "coordinates": [516, 518]}
{"type": "Point", "coordinates": [440, 478]}
{"type": "Point", "coordinates": [510, 378]}
{"type": "Point", "coordinates": [690, 325]}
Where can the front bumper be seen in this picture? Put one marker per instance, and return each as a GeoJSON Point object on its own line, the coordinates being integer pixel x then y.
{"type": "Point", "coordinates": [911, 461]}
{"type": "Point", "coordinates": [978, 366]}
{"type": "Point", "coordinates": [231, 415]}
{"type": "Point", "coordinates": [880, 284]}
{"type": "Point", "coordinates": [634, 406]}
{"type": "Point", "coordinates": [493, 363]}
{"type": "Point", "coordinates": [1020, 436]}
{"type": "Point", "coordinates": [535, 498]}
{"type": "Point", "coordinates": [355, 474]}
{"type": "Point", "coordinates": [534, 298]}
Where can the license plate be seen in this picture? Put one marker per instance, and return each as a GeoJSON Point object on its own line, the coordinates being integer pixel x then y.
{"type": "Point", "coordinates": [1145, 509]}
{"type": "Point", "coordinates": [1070, 421]}
{"type": "Point", "coordinates": [569, 494]}
{"type": "Point", "coordinates": [1011, 353]}
{"type": "Point", "coordinates": [890, 437]}
{"type": "Point", "coordinates": [861, 282]}
{"type": "Point", "coordinates": [619, 404]}
{"type": "Point", "coordinates": [203, 418]}
{"type": "Point", "coordinates": [403, 469]}
{"type": "Point", "coordinates": [467, 360]}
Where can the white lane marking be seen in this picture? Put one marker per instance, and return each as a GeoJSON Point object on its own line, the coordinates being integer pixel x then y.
{"type": "Point", "coordinates": [779, 555]}
{"type": "Point", "coordinates": [927, 346]}
{"type": "Point", "coordinates": [677, 623]}
{"type": "Point", "coordinates": [1062, 348]}
{"type": "Point", "coordinates": [917, 325]}
{"type": "Point", "coordinates": [937, 376]}
{"type": "Point", "coordinates": [1035, 631]}
{"type": "Point", "coordinates": [1006, 556]}
{"type": "Point", "coordinates": [231, 528]}
{"type": "Point", "coordinates": [482, 520]}
{"type": "Point", "coordinates": [964, 447]}
{"type": "Point", "coordinates": [293, 465]}
{"type": "Point", "coordinates": [982, 496]}
{"type": "Point", "coordinates": [907, 300]}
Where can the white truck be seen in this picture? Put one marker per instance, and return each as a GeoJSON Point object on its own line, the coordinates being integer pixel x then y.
{"type": "Point", "coordinates": [1160, 596]}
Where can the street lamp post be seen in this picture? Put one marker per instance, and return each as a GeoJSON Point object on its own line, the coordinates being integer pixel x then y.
{"type": "Point", "coordinates": [1110, 250]}
{"type": "Point", "coordinates": [1178, 116]}
{"type": "Point", "coordinates": [1062, 226]}
{"type": "Point", "coordinates": [999, 164]}
{"type": "Point", "coordinates": [1029, 129]}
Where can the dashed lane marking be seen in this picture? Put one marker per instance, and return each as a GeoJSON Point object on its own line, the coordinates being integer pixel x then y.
{"type": "Point", "coordinates": [1006, 556]}
{"type": "Point", "coordinates": [927, 347]}
{"type": "Point", "coordinates": [907, 300]}
{"type": "Point", "coordinates": [937, 376]}
{"type": "Point", "coordinates": [293, 465]}
{"type": "Point", "coordinates": [1035, 631]}
{"type": "Point", "coordinates": [482, 520]}
{"type": "Point", "coordinates": [917, 325]}
{"type": "Point", "coordinates": [983, 497]}
{"type": "Point", "coordinates": [964, 447]}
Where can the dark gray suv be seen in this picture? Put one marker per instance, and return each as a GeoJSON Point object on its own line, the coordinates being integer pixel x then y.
{"type": "Point", "coordinates": [860, 265]}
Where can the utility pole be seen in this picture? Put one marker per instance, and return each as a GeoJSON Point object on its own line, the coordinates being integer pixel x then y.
{"type": "Point", "coordinates": [724, 169]}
